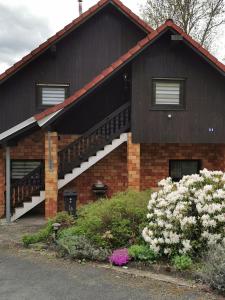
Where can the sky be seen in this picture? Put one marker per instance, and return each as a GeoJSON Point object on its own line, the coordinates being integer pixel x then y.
{"type": "Point", "coordinates": [24, 24]}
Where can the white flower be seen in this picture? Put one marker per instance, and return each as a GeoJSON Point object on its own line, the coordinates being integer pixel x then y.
{"type": "Point", "coordinates": [194, 204]}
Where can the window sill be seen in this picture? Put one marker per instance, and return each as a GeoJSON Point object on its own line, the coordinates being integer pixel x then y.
{"type": "Point", "coordinates": [167, 108]}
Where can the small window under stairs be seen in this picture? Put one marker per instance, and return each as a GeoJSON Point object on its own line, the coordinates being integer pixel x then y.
{"type": "Point", "coordinates": [20, 168]}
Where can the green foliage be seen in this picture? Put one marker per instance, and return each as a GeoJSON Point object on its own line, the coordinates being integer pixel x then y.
{"type": "Point", "coordinates": [79, 247]}
{"type": "Point", "coordinates": [182, 262]}
{"type": "Point", "coordinates": [113, 223]}
{"type": "Point", "coordinates": [142, 253]}
{"type": "Point", "coordinates": [42, 235]}
{"type": "Point", "coordinates": [213, 271]}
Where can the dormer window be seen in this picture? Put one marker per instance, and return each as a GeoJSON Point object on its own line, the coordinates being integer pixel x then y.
{"type": "Point", "coordinates": [51, 94]}
{"type": "Point", "coordinates": [168, 93]}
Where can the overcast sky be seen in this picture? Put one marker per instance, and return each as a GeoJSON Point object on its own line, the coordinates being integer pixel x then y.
{"type": "Point", "coordinates": [24, 24]}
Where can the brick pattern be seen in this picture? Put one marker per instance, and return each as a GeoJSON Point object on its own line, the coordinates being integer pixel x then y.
{"type": "Point", "coordinates": [133, 164]}
{"type": "Point", "coordinates": [2, 183]}
{"type": "Point", "coordinates": [65, 140]}
{"type": "Point", "coordinates": [51, 174]}
{"type": "Point", "coordinates": [155, 159]}
{"type": "Point", "coordinates": [111, 170]}
{"type": "Point", "coordinates": [30, 147]}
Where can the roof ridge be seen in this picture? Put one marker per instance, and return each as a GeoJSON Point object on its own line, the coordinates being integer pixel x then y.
{"type": "Point", "coordinates": [76, 22]}
{"type": "Point", "coordinates": [124, 58]}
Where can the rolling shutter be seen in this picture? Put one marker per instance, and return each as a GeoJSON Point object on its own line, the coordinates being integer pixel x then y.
{"type": "Point", "coordinates": [53, 95]}
{"type": "Point", "coordinates": [21, 168]}
{"type": "Point", "coordinates": [167, 93]}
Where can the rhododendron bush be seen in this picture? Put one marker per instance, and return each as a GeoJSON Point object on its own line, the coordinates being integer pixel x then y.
{"type": "Point", "coordinates": [187, 216]}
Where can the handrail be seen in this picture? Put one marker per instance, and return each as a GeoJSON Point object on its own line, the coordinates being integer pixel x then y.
{"type": "Point", "coordinates": [24, 188]}
{"type": "Point", "coordinates": [94, 139]}
{"type": "Point", "coordinates": [74, 154]}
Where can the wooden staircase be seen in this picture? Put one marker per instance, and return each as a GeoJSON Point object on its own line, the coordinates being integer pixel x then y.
{"type": "Point", "coordinates": [74, 159]}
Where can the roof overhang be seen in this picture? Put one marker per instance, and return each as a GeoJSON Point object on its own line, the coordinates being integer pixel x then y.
{"type": "Point", "coordinates": [16, 131]}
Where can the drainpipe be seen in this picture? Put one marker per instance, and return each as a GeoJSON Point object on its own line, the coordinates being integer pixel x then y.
{"type": "Point", "coordinates": [80, 7]}
{"type": "Point", "coordinates": [8, 184]}
{"type": "Point", "coordinates": [50, 161]}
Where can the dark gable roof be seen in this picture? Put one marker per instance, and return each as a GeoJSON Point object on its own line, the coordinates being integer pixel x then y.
{"type": "Point", "coordinates": [67, 29]}
{"type": "Point", "coordinates": [125, 59]}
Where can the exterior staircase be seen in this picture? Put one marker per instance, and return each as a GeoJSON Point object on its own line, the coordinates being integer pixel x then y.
{"type": "Point", "coordinates": [74, 160]}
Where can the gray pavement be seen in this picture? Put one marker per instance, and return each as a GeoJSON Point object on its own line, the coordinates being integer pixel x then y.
{"type": "Point", "coordinates": [25, 276]}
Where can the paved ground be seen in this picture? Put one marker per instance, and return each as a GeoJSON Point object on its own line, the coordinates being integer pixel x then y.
{"type": "Point", "coordinates": [26, 275]}
{"type": "Point", "coordinates": [12, 234]}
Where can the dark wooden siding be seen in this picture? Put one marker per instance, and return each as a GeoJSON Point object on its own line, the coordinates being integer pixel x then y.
{"type": "Point", "coordinates": [95, 107]}
{"type": "Point", "coordinates": [204, 96]}
{"type": "Point", "coordinates": [79, 57]}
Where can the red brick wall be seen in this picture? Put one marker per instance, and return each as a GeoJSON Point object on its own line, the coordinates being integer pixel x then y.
{"type": "Point", "coordinates": [133, 164]}
{"type": "Point", "coordinates": [32, 146]}
{"type": "Point", "coordinates": [111, 170]}
{"type": "Point", "coordinates": [155, 159]}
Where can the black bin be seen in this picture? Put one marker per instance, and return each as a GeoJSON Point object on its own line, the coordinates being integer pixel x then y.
{"type": "Point", "coordinates": [70, 202]}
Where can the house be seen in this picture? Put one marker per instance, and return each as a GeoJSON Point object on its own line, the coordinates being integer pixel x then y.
{"type": "Point", "coordinates": [107, 98]}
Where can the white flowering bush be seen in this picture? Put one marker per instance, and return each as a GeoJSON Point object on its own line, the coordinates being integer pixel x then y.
{"type": "Point", "coordinates": [188, 216]}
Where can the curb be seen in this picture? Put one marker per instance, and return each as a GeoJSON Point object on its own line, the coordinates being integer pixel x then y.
{"type": "Point", "coordinates": [150, 275]}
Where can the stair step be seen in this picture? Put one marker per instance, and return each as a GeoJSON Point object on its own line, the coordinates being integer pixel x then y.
{"type": "Point", "coordinates": [75, 172]}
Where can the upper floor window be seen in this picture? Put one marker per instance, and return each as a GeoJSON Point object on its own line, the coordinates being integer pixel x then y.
{"type": "Point", "coordinates": [180, 168]}
{"type": "Point", "coordinates": [168, 93]}
{"type": "Point", "coordinates": [52, 94]}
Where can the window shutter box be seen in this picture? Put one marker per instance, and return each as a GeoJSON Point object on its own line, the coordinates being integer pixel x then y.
{"type": "Point", "coordinates": [167, 93]}
{"type": "Point", "coordinates": [21, 168]}
{"type": "Point", "coordinates": [53, 95]}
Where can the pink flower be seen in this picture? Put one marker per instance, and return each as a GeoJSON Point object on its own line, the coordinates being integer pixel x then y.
{"type": "Point", "coordinates": [119, 257]}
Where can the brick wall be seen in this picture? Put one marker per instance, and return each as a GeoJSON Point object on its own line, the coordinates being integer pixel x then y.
{"type": "Point", "coordinates": [155, 159]}
{"type": "Point", "coordinates": [32, 146]}
{"type": "Point", "coordinates": [133, 164]}
{"type": "Point", "coordinates": [111, 170]}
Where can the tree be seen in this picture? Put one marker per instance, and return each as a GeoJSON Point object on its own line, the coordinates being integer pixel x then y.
{"type": "Point", "coordinates": [199, 18]}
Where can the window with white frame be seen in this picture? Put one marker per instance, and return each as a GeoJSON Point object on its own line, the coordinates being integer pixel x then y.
{"type": "Point", "coordinates": [168, 93]}
{"type": "Point", "coordinates": [52, 94]}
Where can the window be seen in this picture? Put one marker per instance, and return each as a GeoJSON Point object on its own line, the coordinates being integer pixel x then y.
{"type": "Point", "coordinates": [21, 168]}
{"type": "Point", "coordinates": [180, 168]}
{"type": "Point", "coordinates": [168, 93]}
{"type": "Point", "coordinates": [52, 94]}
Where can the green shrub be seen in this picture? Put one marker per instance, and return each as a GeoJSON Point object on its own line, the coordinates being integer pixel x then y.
{"type": "Point", "coordinates": [213, 271]}
{"type": "Point", "coordinates": [113, 223]}
{"type": "Point", "coordinates": [42, 235]}
{"type": "Point", "coordinates": [79, 247]}
{"type": "Point", "coordinates": [182, 262]}
{"type": "Point", "coordinates": [142, 253]}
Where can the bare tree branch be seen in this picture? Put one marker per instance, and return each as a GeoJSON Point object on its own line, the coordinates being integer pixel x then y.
{"type": "Point", "coordinates": [199, 18]}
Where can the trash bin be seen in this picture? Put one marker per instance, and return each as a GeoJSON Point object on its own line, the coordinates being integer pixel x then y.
{"type": "Point", "coordinates": [70, 202]}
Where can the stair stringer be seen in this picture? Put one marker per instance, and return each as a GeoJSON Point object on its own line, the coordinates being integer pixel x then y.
{"type": "Point", "coordinates": [76, 172]}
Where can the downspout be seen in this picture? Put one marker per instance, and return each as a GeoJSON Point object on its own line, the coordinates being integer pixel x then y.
{"type": "Point", "coordinates": [50, 162]}
{"type": "Point", "coordinates": [8, 184]}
